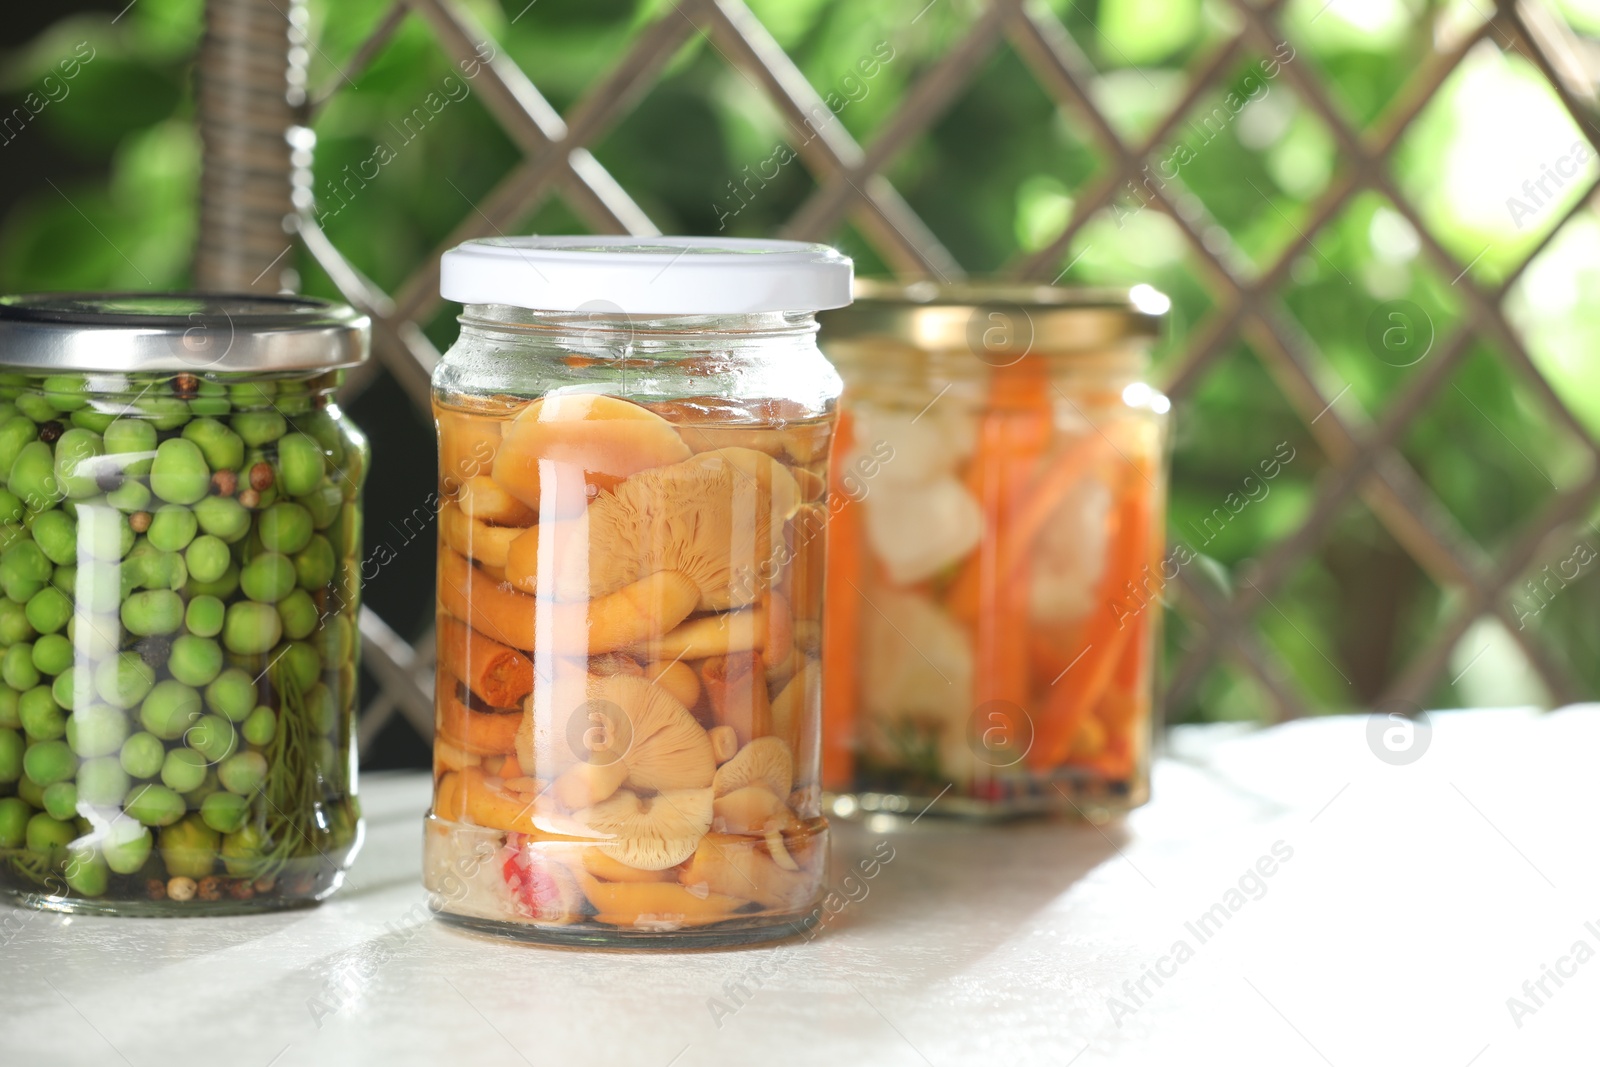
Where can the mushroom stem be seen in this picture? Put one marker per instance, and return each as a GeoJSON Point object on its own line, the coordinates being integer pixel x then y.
{"type": "Point", "coordinates": [677, 678]}
{"type": "Point", "coordinates": [478, 733]}
{"type": "Point", "coordinates": [649, 607]}
{"type": "Point", "coordinates": [736, 686]}
{"type": "Point", "coordinates": [481, 499]}
{"type": "Point", "coordinates": [484, 543]}
{"type": "Point", "coordinates": [710, 635]}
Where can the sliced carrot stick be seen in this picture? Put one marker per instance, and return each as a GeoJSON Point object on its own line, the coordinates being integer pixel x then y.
{"type": "Point", "coordinates": [500, 676]}
{"type": "Point", "coordinates": [841, 621]}
{"type": "Point", "coordinates": [479, 733]}
{"type": "Point", "coordinates": [1013, 434]}
{"type": "Point", "coordinates": [1106, 636]}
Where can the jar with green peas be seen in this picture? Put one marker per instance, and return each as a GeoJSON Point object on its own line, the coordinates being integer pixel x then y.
{"type": "Point", "coordinates": [179, 578]}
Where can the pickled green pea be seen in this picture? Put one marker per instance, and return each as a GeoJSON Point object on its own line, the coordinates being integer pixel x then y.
{"type": "Point", "coordinates": [153, 805]}
{"type": "Point", "coordinates": [104, 533]}
{"type": "Point", "coordinates": [9, 719]}
{"type": "Point", "coordinates": [24, 570]}
{"type": "Point", "coordinates": [14, 813]}
{"type": "Point", "coordinates": [302, 662]}
{"type": "Point", "coordinates": [66, 580]}
{"type": "Point", "coordinates": [11, 507]}
{"type": "Point", "coordinates": [10, 534]}
{"type": "Point", "coordinates": [163, 570]}
{"type": "Point", "coordinates": [165, 412]}
{"type": "Point", "coordinates": [204, 616]}
{"type": "Point", "coordinates": [260, 728]}
{"type": "Point", "coordinates": [333, 639]}
{"type": "Point", "coordinates": [314, 564]}
{"type": "Point", "coordinates": [156, 611]}
{"type": "Point", "coordinates": [172, 527]}
{"type": "Point", "coordinates": [126, 846]}
{"type": "Point", "coordinates": [258, 428]}
{"type": "Point", "coordinates": [267, 579]}
{"type": "Point", "coordinates": [102, 781]}
{"type": "Point", "coordinates": [29, 791]}
{"type": "Point", "coordinates": [96, 731]}
{"type": "Point", "coordinates": [42, 718]}
{"type": "Point", "coordinates": [325, 756]}
{"type": "Point", "coordinates": [242, 851]}
{"type": "Point", "coordinates": [46, 834]}
{"type": "Point", "coordinates": [225, 586]}
{"type": "Point", "coordinates": [48, 610]}
{"type": "Point", "coordinates": [33, 477]}
{"type": "Point", "coordinates": [189, 848]}
{"type": "Point", "coordinates": [134, 442]}
{"type": "Point", "coordinates": [52, 654]}
{"type": "Point", "coordinates": [49, 762]}
{"type": "Point", "coordinates": [180, 474]}
{"type": "Point", "coordinates": [256, 394]}
{"type": "Point", "coordinates": [208, 558]}
{"type": "Point", "coordinates": [298, 613]}
{"type": "Point", "coordinates": [62, 688]}
{"type": "Point", "coordinates": [250, 629]}
{"type": "Point", "coordinates": [14, 624]}
{"type": "Point", "coordinates": [75, 466]}
{"type": "Point", "coordinates": [213, 737]}
{"type": "Point", "coordinates": [169, 710]}
{"type": "Point", "coordinates": [65, 392]}
{"type": "Point", "coordinates": [56, 534]}
{"type": "Point", "coordinates": [141, 755]}
{"type": "Point", "coordinates": [223, 449]}
{"type": "Point", "coordinates": [183, 769]}
{"type": "Point", "coordinates": [212, 400]}
{"type": "Point", "coordinates": [285, 528]}
{"type": "Point", "coordinates": [11, 750]}
{"type": "Point", "coordinates": [243, 773]}
{"type": "Point", "coordinates": [301, 465]}
{"type": "Point", "coordinates": [124, 680]}
{"type": "Point", "coordinates": [17, 669]}
{"type": "Point", "coordinates": [14, 434]}
{"type": "Point", "coordinates": [225, 812]}
{"type": "Point", "coordinates": [232, 695]}
{"type": "Point", "coordinates": [322, 709]}
{"type": "Point", "coordinates": [194, 660]}
{"type": "Point", "coordinates": [129, 497]}
{"type": "Point", "coordinates": [323, 503]}
{"type": "Point", "coordinates": [61, 800]}
{"type": "Point", "coordinates": [35, 407]}
{"type": "Point", "coordinates": [86, 871]}
{"type": "Point", "coordinates": [223, 517]}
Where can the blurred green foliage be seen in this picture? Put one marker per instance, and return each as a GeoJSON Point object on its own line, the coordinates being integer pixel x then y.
{"type": "Point", "coordinates": [996, 178]}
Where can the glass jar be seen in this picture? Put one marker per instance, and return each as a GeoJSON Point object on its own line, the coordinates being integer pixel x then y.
{"type": "Point", "coordinates": [633, 442]}
{"type": "Point", "coordinates": [995, 555]}
{"type": "Point", "coordinates": [179, 533]}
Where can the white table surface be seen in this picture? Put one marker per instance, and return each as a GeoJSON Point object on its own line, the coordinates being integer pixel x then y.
{"type": "Point", "coordinates": [1417, 900]}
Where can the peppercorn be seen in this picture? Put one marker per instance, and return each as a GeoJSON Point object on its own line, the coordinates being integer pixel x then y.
{"type": "Point", "coordinates": [180, 888]}
{"type": "Point", "coordinates": [240, 889]}
{"type": "Point", "coordinates": [154, 650]}
{"type": "Point", "coordinates": [186, 386]}
{"type": "Point", "coordinates": [210, 888]}
{"type": "Point", "coordinates": [140, 521]}
{"type": "Point", "coordinates": [50, 432]}
{"type": "Point", "coordinates": [250, 499]}
{"type": "Point", "coordinates": [155, 889]}
{"type": "Point", "coordinates": [108, 481]}
{"type": "Point", "coordinates": [266, 883]}
{"type": "Point", "coordinates": [224, 483]}
{"type": "Point", "coordinates": [261, 477]}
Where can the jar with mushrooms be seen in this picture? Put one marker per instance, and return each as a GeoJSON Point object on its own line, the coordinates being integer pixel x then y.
{"type": "Point", "coordinates": [633, 444]}
{"type": "Point", "coordinates": [995, 567]}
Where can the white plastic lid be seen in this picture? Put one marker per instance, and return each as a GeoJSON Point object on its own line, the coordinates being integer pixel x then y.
{"type": "Point", "coordinates": [647, 275]}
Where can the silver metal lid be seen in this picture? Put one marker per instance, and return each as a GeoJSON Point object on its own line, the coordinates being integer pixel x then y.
{"type": "Point", "coordinates": [217, 332]}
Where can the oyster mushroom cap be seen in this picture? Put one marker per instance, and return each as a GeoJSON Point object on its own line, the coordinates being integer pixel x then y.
{"type": "Point", "coordinates": [650, 833]}
{"type": "Point", "coordinates": [625, 729]}
{"type": "Point", "coordinates": [706, 517]}
{"type": "Point", "coordinates": [766, 761]}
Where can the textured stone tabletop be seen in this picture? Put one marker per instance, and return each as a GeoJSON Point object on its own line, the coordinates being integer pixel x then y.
{"type": "Point", "coordinates": [1288, 898]}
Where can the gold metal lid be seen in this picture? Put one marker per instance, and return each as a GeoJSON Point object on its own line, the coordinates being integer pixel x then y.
{"type": "Point", "coordinates": [994, 319]}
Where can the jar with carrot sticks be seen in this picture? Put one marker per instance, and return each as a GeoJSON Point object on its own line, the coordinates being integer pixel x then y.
{"type": "Point", "coordinates": [995, 568]}
{"type": "Point", "coordinates": [633, 448]}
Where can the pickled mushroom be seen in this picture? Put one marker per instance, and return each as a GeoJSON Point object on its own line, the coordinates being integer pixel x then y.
{"type": "Point", "coordinates": [730, 864]}
{"type": "Point", "coordinates": [637, 733]}
{"type": "Point", "coordinates": [606, 438]}
{"type": "Point", "coordinates": [482, 499]}
{"type": "Point", "coordinates": [766, 761]}
{"type": "Point", "coordinates": [706, 518]}
{"type": "Point", "coordinates": [650, 833]}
